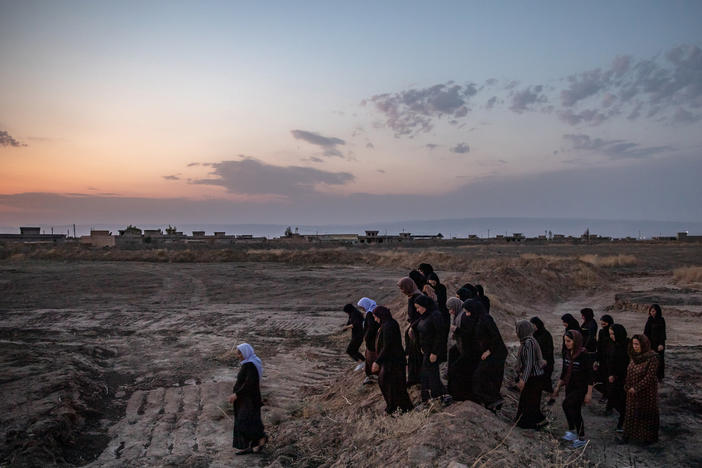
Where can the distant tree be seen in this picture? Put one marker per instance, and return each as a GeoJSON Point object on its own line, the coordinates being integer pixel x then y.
{"type": "Point", "coordinates": [130, 230]}
{"type": "Point", "coordinates": [171, 230]}
{"type": "Point", "coordinates": [288, 231]}
{"type": "Point", "coordinates": [440, 236]}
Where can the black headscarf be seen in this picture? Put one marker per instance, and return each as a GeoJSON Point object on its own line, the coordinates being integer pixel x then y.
{"type": "Point", "coordinates": [383, 313]}
{"type": "Point", "coordinates": [353, 312]}
{"type": "Point", "coordinates": [659, 312]}
{"type": "Point", "coordinates": [475, 307]}
{"type": "Point", "coordinates": [418, 278]}
{"type": "Point", "coordinates": [619, 334]}
{"type": "Point", "coordinates": [433, 277]}
{"type": "Point", "coordinates": [538, 323]}
{"type": "Point", "coordinates": [467, 291]}
{"type": "Point", "coordinates": [587, 314]}
{"type": "Point", "coordinates": [425, 301]}
{"type": "Point", "coordinates": [571, 323]}
{"type": "Point", "coordinates": [426, 269]}
{"type": "Point", "coordinates": [607, 319]}
{"type": "Point", "coordinates": [479, 290]}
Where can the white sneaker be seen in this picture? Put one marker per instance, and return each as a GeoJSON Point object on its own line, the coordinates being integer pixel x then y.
{"type": "Point", "coordinates": [359, 367]}
{"type": "Point", "coordinates": [578, 443]}
{"type": "Point", "coordinates": [570, 436]}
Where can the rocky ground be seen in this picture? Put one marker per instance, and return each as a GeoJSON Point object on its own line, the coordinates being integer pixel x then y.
{"type": "Point", "coordinates": [130, 363]}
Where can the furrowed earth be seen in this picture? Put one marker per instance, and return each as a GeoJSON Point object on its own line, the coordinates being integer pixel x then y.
{"type": "Point", "coordinates": [112, 359]}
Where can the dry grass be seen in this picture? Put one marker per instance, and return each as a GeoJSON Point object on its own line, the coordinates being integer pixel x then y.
{"type": "Point", "coordinates": [688, 275]}
{"type": "Point", "coordinates": [609, 261]}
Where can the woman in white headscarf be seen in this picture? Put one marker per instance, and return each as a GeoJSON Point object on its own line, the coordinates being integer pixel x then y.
{"type": "Point", "coordinates": [249, 435]}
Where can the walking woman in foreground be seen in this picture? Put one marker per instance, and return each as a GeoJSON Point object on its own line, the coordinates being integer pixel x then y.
{"type": "Point", "coordinates": [249, 435]}
{"type": "Point", "coordinates": [642, 418]}
{"type": "Point", "coordinates": [576, 377]}
{"type": "Point", "coordinates": [530, 378]}
{"type": "Point", "coordinates": [390, 362]}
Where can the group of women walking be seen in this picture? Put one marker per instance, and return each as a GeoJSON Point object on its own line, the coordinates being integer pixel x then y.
{"type": "Point", "coordinates": [460, 332]}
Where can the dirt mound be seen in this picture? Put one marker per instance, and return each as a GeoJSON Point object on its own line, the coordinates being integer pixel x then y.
{"type": "Point", "coordinates": [346, 426]}
{"type": "Point", "coordinates": [52, 417]}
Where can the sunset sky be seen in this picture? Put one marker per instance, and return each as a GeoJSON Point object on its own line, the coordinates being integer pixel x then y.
{"type": "Point", "coordinates": [283, 112]}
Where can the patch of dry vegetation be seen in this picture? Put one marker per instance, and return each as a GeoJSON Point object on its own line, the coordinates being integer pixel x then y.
{"type": "Point", "coordinates": [346, 426]}
{"type": "Point", "coordinates": [610, 261]}
{"type": "Point", "coordinates": [688, 275]}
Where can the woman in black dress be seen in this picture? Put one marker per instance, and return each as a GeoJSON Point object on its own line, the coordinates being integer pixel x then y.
{"type": "Point", "coordinates": [545, 340]}
{"type": "Point", "coordinates": [617, 364]}
{"type": "Point", "coordinates": [655, 332]}
{"type": "Point", "coordinates": [412, 349]}
{"type": "Point", "coordinates": [530, 375]}
{"type": "Point", "coordinates": [249, 435]}
{"type": "Point", "coordinates": [390, 362]}
{"type": "Point", "coordinates": [355, 323]}
{"type": "Point", "coordinates": [491, 351]}
{"type": "Point", "coordinates": [589, 329]}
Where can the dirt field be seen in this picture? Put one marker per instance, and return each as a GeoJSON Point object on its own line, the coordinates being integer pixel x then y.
{"type": "Point", "coordinates": [129, 363]}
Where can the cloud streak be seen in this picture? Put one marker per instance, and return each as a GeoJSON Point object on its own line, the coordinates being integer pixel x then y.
{"type": "Point", "coordinates": [614, 149]}
{"type": "Point", "coordinates": [253, 177]}
{"type": "Point", "coordinates": [666, 88]}
{"type": "Point", "coordinates": [328, 144]}
{"type": "Point", "coordinates": [413, 111]}
{"type": "Point", "coordinates": [6, 140]}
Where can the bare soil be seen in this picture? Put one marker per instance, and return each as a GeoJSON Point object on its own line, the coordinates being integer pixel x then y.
{"type": "Point", "coordinates": [129, 363]}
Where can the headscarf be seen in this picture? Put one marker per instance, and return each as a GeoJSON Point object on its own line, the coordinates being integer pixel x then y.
{"type": "Point", "coordinates": [433, 277]}
{"type": "Point", "coordinates": [454, 304]}
{"type": "Point", "coordinates": [367, 304]}
{"type": "Point", "coordinates": [525, 332]}
{"type": "Point", "coordinates": [426, 269]}
{"type": "Point", "coordinates": [524, 329]}
{"type": "Point", "coordinates": [475, 307]}
{"type": "Point", "coordinates": [619, 334]}
{"type": "Point", "coordinates": [429, 291]}
{"type": "Point", "coordinates": [418, 278]}
{"type": "Point", "coordinates": [408, 286]}
{"type": "Point", "coordinates": [572, 324]}
{"type": "Point", "coordinates": [467, 291]}
{"type": "Point", "coordinates": [607, 319]}
{"type": "Point", "coordinates": [659, 312]}
{"type": "Point", "coordinates": [353, 312]}
{"type": "Point", "coordinates": [646, 352]}
{"type": "Point", "coordinates": [247, 351]}
{"type": "Point", "coordinates": [383, 313]}
{"type": "Point", "coordinates": [577, 338]}
{"type": "Point", "coordinates": [479, 290]}
{"type": "Point", "coordinates": [587, 314]}
{"type": "Point", "coordinates": [424, 301]}
{"type": "Point", "coordinates": [538, 323]}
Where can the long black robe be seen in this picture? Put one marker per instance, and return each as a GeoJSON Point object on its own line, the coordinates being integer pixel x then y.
{"type": "Point", "coordinates": [460, 372]}
{"type": "Point", "coordinates": [412, 348]}
{"type": "Point", "coordinates": [617, 364]}
{"type": "Point", "coordinates": [545, 340]}
{"type": "Point", "coordinates": [356, 321]}
{"type": "Point", "coordinates": [488, 375]}
{"type": "Point", "coordinates": [589, 332]}
{"type": "Point", "coordinates": [655, 332]}
{"type": "Point", "coordinates": [391, 359]}
{"type": "Point", "coordinates": [604, 345]}
{"type": "Point", "coordinates": [430, 328]}
{"type": "Point", "coordinates": [248, 427]}
{"type": "Point", "coordinates": [370, 332]}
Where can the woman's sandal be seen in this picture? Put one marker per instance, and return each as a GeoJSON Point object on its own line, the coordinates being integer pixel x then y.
{"type": "Point", "coordinates": [259, 447]}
